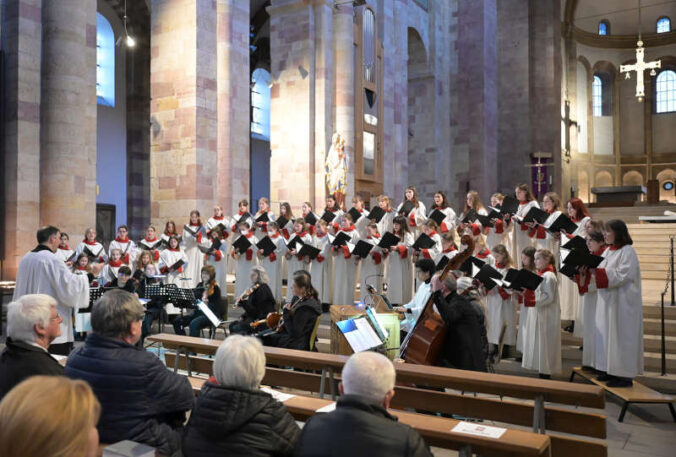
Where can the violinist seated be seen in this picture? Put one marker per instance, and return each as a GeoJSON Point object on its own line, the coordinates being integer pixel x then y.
{"type": "Point", "coordinates": [424, 269]}
{"type": "Point", "coordinates": [211, 297]}
{"type": "Point", "coordinates": [257, 302]}
{"type": "Point", "coordinates": [298, 317]}
{"type": "Point", "coordinates": [466, 345]}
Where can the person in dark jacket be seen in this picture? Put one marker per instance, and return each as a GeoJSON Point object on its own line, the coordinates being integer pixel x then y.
{"type": "Point", "coordinates": [360, 426]}
{"type": "Point", "coordinates": [32, 324]}
{"type": "Point", "coordinates": [212, 297]}
{"type": "Point", "coordinates": [140, 399]}
{"type": "Point", "coordinates": [232, 415]}
{"type": "Point", "coordinates": [464, 345]}
{"type": "Point", "coordinates": [257, 302]}
{"type": "Point", "coordinates": [299, 316]}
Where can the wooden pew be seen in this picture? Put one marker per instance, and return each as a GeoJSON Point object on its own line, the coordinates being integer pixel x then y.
{"type": "Point", "coordinates": [436, 431]}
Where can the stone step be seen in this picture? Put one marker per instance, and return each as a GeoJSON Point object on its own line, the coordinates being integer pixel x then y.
{"type": "Point", "coordinates": [651, 343]}
{"type": "Point", "coordinates": [653, 327]}
{"type": "Point", "coordinates": [653, 312]}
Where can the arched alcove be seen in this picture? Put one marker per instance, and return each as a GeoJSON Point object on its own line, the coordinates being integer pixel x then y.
{"type": "Point", "coordinates": [667, 175]}
{"type": "Point", "coordinates": [632, 178]}
{"type": "Point", "coordinates": [603, 178]}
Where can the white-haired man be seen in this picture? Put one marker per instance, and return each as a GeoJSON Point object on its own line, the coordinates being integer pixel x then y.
{"type": "Point", "coordinates": [360, 426]}
{"type": "Point", "coordinates": [42, 272]}
{"type": "Point", "coordinates": [32, 324]}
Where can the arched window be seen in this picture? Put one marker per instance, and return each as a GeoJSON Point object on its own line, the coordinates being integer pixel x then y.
{"type": "Point", "coordinates": [597, 96]}
{"type": "Point", "coordinates": [604, 27]}
{"type": "Point", "coordinates": [663, 25]}
{"type": "Point", "coordinates": [105, 62]}
{"type": "Point", "coordinates": [665, 91]}
{"type": "Point", "coordinates": [260, 103]}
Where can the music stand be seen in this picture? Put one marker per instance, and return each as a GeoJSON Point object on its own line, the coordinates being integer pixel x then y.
{"type": "Point", "coordinates": [94, 294]}
{"type": "Point", "coordinates": [181, 298]}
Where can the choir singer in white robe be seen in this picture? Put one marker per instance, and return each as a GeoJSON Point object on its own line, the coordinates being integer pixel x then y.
{"type": "Point", "coordinates": [42, 272]}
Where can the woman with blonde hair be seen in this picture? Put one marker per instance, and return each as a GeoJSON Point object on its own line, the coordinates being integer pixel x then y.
{"type": "Point", "coordinates": [49, 416]}
{"type": "Point", "coordinates": [416, 216]}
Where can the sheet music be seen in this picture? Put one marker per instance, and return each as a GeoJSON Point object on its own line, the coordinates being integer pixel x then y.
{"type": "Point", "coordinates": [207, 312]}
{"type": "Point", "coordinates": [328, 408]}
{"type": "Point", "coordinates": [485, 431]}
{"type": "Point", "coordinates": [277, 395]}
{"type": "Point", "coordinates": [359, 334]}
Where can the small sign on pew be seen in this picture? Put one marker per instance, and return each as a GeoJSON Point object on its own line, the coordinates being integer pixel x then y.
{"type": "Point", "coordinates": [277, 395]}
{"type": "Point", "coordinates": [328, 408]}
{"type": "Point", "coordinates": [484, 431]}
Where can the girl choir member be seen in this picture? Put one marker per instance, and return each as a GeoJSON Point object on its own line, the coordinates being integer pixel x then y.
{"type": "Point", "coordinates": [262, 226]}
{"type": "Point", "coordinates": [542, 335]}
{"type": "Point", "coordinates": [272, 263]}
{"type": "Point", "coordinates": [242, 215]}
{"type": "Point", "coordinates": [500, 305]}
{"type": "Point", "coordinates": [473, 202]}
{"type": "Point", "coordinates": [544, 239]}
{"type": "Point", "coordinates": [245, 260]}
{"type": "Point", "coordinates": [286, 212]}
{"type": "Point", "coordinates": [321, 269]}
{"type": "Point", "coordinates": [217, 255]}
{"type": "Point", "coordinates": [332, 207]}
{"type": "Point", "coordinates": [499, 233]}
{"type": "Point", "coordinates": [168, 258]}
{"type": "Point", "coordinates": [151, 243]}
{"type": "Point", "coordinates": [441, 204]}
{"type": "Point", "coordinates": [448, 248]}
{"type": "Point", "coordinates": [64, 252]}
{"type": "Point", "coordinates": [83, 319]}
{"type": "Point", "coordinates": [220, 220]}
{"type": "Point", "coordinates": [126, 246]}
{"type": "Point", "coordinates": [95, 250]}
{"type": "Point", "coordinates": [344, 266]}
{"type": "Point", "coordinates": [193, 233]}
{"type": "Point", "coordinates": [385, 224]}
{"type": "Point", "coordinates": [109, 272]}
{"type": "Point", "coordinates": [362, 222]}
{"type": "Point", "coordinates": [430, 229]}
{"type": "Point", "coordinates": [526, 298]}
{"type": "Point", "coordinates": [417, 216]}
{"type": "Point", "coordinates": [306, 210]}
{"type": "Point", "coordinates": [400, 268]}
{"type": "Point", "coordinates": [294, 261]}
{"type": "Point", "coordinates": [526, 202]}
{"type": "Point", "coordinates": [371, 266]}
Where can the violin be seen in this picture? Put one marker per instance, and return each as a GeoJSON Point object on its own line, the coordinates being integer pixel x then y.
{"type": "Point", "coordinates": [245, 295]}
{"type": "Point", "coordinates": [274, 321]}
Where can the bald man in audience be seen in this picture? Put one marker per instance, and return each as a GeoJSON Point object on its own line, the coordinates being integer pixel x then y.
{"type": "Point", "coordinates": [32, 324]}
{"type": "Point", "coordinates": [360, 426]}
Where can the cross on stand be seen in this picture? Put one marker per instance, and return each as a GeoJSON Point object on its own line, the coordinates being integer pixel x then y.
{"type": "Point", "coordinates": [539, 168]}
{"type": "Point", "coordinates": [569, 123]}
{"type": "Point", "coordinates": [639, 67]}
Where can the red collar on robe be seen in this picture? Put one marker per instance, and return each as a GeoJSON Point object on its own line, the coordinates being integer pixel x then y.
{"type": "Point", "coordinates": [349, 229]}
{"type": "Point", "coordinates": [262, 212]}
{"type": "Point", "coordinates": [174, 249]}
{"type": "Point", "coordinates": [614, 247]}
{"type": "Point", "coordinates": [500, 265]}
{"type": "Point", "coordinates": [81, 268]}
{"type": "Point", "coordinates": [219, 218]}
{"type": "Point", "coordinates": [577, 221]}
{"type": "Point", "coordinates": [600, 251]}
{"type": "Point", "coordinates": [376, 236]}
{"type": "Point", "coordinates": [153, 240]}
{"type": "Point", "coordinates": [90, 243]}
{"type": "Point", "coordinates": [483, 253]}
{"type": "Point", "coordinates": [432, 233]}
{"type": "Point", "coordinates": [249, 234]}
{"type": "Point", "coordinates": [301, 234]}
{"type": "Point", "coordinates": [274, 235]}
{"type": "Point", "coordinates": [66, 248]}
{"type": "Point", "coordinates": [550, 212]}
{"type": "Point", "coordinates": [122, 240]}
{"type": "Point", "coordinates": [546, 269]}
{"type": "Point", "coordinates": [523, 203]}
{"type": "Point", "coordinates": [112, 263]}
{"type": "Point", "coordinates": [451, 249]}
{"type": "Point", "coordinates": [322, 235]}
{"type": "Point", "coordinates": [194, 225]}
{"type": "Point", "coordinates": [333, 210]}
{"type": "Point", "coordinates": [241, 213]}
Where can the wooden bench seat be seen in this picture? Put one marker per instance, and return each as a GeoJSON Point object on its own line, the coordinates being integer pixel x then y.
{"type": "Point", "coordinates": [435, 430]}
{"type": "Point", "coordinates": [637, 393]}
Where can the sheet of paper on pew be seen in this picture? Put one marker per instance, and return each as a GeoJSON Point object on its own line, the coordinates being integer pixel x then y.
{"type": "Point", "coordinates": [485, 431]}
{"type": "Point", "coordinates": [128, 448]}
{"type": "Point", "coordinates": [328, 408]}
{"type": "Point", "coordinates": [277, 395]}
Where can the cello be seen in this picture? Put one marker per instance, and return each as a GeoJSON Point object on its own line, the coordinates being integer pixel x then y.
{"type": "Point", "coordinates": [423, 344]}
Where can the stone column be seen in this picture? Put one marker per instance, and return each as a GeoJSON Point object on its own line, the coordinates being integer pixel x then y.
{"type": "Point", "coordinates": [183, 108]}
{"type": "Point", "coordinates": [68, 136]}
{"type": "Point", "coordinates": [233, 103]}
{"type": "Point", "coordinates": [22, 42]}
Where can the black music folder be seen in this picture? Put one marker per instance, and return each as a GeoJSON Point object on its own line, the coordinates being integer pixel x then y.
{"type": "Point", "coordinates": [244, 218]}
{"type": "Point", "coordinates": [362, 249]}
{"type": "Point", "coordinates": [388, 240]}
{"type": "Point", "coordinates": [525, 279]}
{"type": "Point", "coordinates": [486, 275]}
{"type": "Point", "coordinates": [241, 244]}
{"type": "Point", "coordinates": [442, 263]}
{"type": "Point", "coordinates": [310, 218]}
{"type": "Point", "coordinates": [467, 265]}
{"type": "Point", "coordinates": [340, 239]}
{"type": "Point", "coordinates": [580, 258]}
{"type": "Point", "coordinates": [177, 265]}
{"type": "Point", "coordinates": [484, 220]}
{"type": "Point", "coordinates": [536, 215]}
{"type": "Point", "coordinates": [469, 217]}
{"type": "Point", "coordinates": [377, 214]}
{"type": "Point", "coordinates": [291, 245]}
{"type": "Point", "coordinates": [309, 251]}
{"type": "Point", "coordinates": [215, 245]}
{"type": "Point", "coordinates": [406, 208]}
{"type": "Point", "coordinates": [356, 215]}
{"type": "Point", "coordinates": [562, 222]}
{"type": "Point", "coordinates": [437, 216]}
{"type": "Point", "coordinates": [328, 216]}
{"type": "Point", "coordinates": [577, 242]}
{"type": "Point", "coordinates": [510, 205]}
{"type": "Point", "coordinates": [266, 245]}
{"type": "Point", "coordinates": [423, 242]}
{"type": "Point", "coordinates": [263, 218]}
{"type": "Point", "coordinates": [281, 222]}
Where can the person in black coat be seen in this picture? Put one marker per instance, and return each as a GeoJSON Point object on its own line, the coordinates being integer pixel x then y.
{"type": "Point", "coordinates": [232, 415]}
{"type": "Point", "coordinates": [299, 317]}
{"type": "Point", "coordinates": [140, 399]}
{"type": "Point", "coordinates": [257, 302]}
{"type": "Point", "coordinates": [464, 345]}
{"type": "Point", "coordinates": [360, 426]}
{"type": "Point", "coordinates": [32, 324]}
{"type": "Point", "coordinates": [212, 297]}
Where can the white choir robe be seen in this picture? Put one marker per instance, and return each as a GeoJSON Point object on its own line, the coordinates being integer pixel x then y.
{"type": "Point", "coordinates": [499, 234]}
{"type": "Point", "coordinates": [243, 265]}
{"type": "Point", "coordinates": [227, 232]}
{"type": "Point", "coordinates": [322, 268]}
{"type": "Point", "coordinates": [65, 253]}
{"type": "Point", "coordinates": [169, 257]}
{"type": "Point", "coordinates": [568, 291]}
{"type": "Point", "coordinates": [545, 239]}
{"type": "Point", "coordinates": [520, 238]}
{"type": "Point", "coordinates": [153, 246]}
{"type": "Point", "coordinates": [128, 249]}
{"type": "Point", "coordinates": [416, 306]}
{"type": "Point", "coordinates": [310, 228]}
{"type": "Point", "coordinates": [262, 231]}
{"type": "Point", "coordinates": [109, 272]}
{"type": "Point", "coordinates": [416, 218]}
{"type": "Point", "coordinates": [448, 224]}
{"type": "Point", "coordinates": [448, 253]}
{"type": "Point", "coordinates": [523, 318]}
{"type": "Point", "coordinates": [344, 271]}
{"type": "Point", "coordinates": [542, 337]}
{"type": "Point", "coordinates": [219, 260]}
{"type": "Point", "coordinates": [193, 271]}
{"type": "Point", "coordinates": [386, 224]}
{"type": "Point", "coordinates": [361, 224]}
{"type": "Point", "coordinates": [273, 266]}
{"type": "Point", "coordinates": [434, 251]}
{"type": "Point", "coordinates": [286, 233]}
{"type": "Point", "coordinates": [400, 272]}
{"type": "Point", "coordinates": [334, 225]}
{"type": "Point", "coordinates": [232, 266]}
{"type": "Point", "coordinates": [501, 310]}
{"type": "Point", "coordinates": [295, 263]}
{"type": "Point", "coordinates": [371, 269]}
{"type": "Point", "coordinates": [476, 227]}
{"type": "Point", "coordinates": [43, 272]}
{"type": "Point", "coordinates": [618, 280]}
{"type": "Point", "coordinates": [95, 248]}
{"type": "Point", "coordinates": [83, 321]}
{"type": "Point", "coordinates": [591, 334]}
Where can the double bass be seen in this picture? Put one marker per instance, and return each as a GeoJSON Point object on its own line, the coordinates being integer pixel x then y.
{"type": "Point", "coordinates": [423, 344]}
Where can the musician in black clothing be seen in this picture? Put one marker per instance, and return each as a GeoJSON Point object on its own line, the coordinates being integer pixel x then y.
{"type": "Point", "coordinates": [212, 298]}
{"type": "Point", "coordinates": [124, 280]}
{"type": "Point", "coordinates": [299, 316]}
{"type": "Point", "coordinates": [257, 302]}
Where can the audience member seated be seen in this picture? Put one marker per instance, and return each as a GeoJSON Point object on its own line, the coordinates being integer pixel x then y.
{"type": "Point", "coordinates": [257, 302]}
{"type": "Point", "coordinates": [49, 416]}
{"type": "Point", "coordinates": [32, 324]}
{"type": "Point", "coordinates": [298, 317]}
{"type": "Point", "coordinates": [142, 401]}
{"type": "Point", "coordinates": [211, 297]}
{"type": "Point", "coordinates": [463, 347]}
{"type": "Point", "coordinates": [360, 425]}
{"type": "Point", "coordinates": [232, 415]}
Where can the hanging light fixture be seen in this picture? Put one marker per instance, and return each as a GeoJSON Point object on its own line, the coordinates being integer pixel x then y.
{"type": "Point", "coordinates": [131, 42]}
{"type": "Point", "coordinates": [641, 65]}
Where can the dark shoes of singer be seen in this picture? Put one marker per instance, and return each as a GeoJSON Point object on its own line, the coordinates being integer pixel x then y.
{"type": "Point", "coordinates": [140, 399]}
{"type": "Point", "coordinates": [32, 324]}
{"type": "Point", "coordinates": [360, 426]}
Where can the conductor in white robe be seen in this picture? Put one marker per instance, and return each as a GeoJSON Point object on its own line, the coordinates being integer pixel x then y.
{"type": "Point", "coordinates": [42, 272]}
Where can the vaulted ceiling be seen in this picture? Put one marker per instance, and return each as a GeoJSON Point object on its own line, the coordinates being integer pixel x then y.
{"type": "Point", "coordinates": [622, 14]}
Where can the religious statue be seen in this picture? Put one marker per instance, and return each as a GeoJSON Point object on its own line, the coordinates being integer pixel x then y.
{"type": "Point", "coordinates": [336, 169]}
